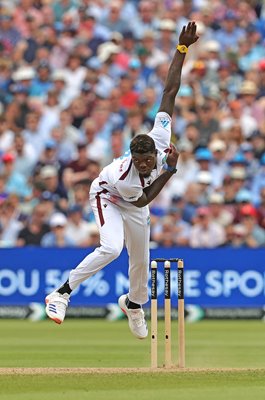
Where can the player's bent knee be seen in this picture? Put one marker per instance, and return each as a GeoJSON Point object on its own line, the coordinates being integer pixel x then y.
{"type": "Point", "coordinates": [112, 252]}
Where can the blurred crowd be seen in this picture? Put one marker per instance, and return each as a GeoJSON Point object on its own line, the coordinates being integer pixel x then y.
{"type": "Point", "coordinates": [79, 79]}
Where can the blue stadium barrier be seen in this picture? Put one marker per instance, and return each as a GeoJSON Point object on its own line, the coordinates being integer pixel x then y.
{"type": "Point", "coordinates": [222, 277]}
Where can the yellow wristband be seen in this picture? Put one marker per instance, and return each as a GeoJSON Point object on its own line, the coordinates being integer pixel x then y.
{"type": "Point", "coordinates": [182, 48]}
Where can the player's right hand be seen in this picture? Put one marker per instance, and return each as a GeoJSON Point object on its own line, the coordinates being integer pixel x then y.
{"type": "Point", "coordinates": [173, 156]}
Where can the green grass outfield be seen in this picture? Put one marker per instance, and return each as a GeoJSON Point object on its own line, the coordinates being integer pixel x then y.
{"type": "Point", "coordinates": [224, 359]}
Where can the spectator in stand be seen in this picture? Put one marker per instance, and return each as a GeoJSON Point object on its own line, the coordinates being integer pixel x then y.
{"type": "Point", "coordinates": [206, 124]}
{"type": "Point", "coordinates": [22, 11]}
{"type": "Point", "coordinates": [238, 236]}
{"type": "Point", "coordinates": [255, 234]}
{"type": "Point", "coordinates": [50, 179]}
{"type": "Point", "coordinates": [205, 233]}
{"type": "Point", "coordinates": [10, 223]}
{"type": "Point", "coordinates": [6, 135]}
{"type": "Point", "coordinates": [229, 34]}
{"type": "Point", "coordinates": [65, 146]}
{"type": "Point", "coordinates": [145, 20]}
{"type": "Point", "coordinates": [42, 82]}
{"type": "Point", "coordinates": [77, 228]}
{"type": "Point", "coordinates": [261, 208]}
{"type": "Point", "coordinates": [167, 35]}
{"type": "Point", "coordinates": [258, 181]}
{"type": "Point", "coordinates": [219, 213]}
{"type": "Point", "coordinates": [79, 196]}
{"type": "Point", "coordinates": [35, 229]}
{"type": "Point", "coordinates": [237, 118]}
{"type": "Point", "coordinates": [180, 229]}
{"type": "Point", "coordinates": [57, 237]}
{"type": "Point", "coordinates": [155, 55]}
{"type": "Point", "coordinates": [187, 168]}
{"type": "Point", "coordinates": [219, 167]}
{"type": "Point", "coordinates": [16, 182]}
{"type": "Point", "coordinates": [191, 196]}
{"type": "Point", "coordinates": [114, 20]}
{"type": "Point", "coordinates": [25, 157]}
{"type": "Point", "coordinates": [135, 125]}
{"type": "Point", "coordinates": [242, 198]}
{"type": "Point", "coordinates": [166, 237]}
{"type": "Point", "coordinates": [9, 34]}
{"type": "Point", "coordinates": [33, 134]}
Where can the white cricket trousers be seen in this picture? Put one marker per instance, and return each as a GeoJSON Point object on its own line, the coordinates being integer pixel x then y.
{"type": "Point", "coordinates": [118, 224]}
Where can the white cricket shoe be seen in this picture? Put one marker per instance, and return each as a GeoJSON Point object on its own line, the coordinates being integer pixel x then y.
{"type": "Point", "coordinates": [137, 323]}
{"type": "Point", "coordinates": [56, 305]}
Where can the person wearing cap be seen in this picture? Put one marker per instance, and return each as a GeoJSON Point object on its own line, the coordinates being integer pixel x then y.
{"type": "Point", "coordinates": [230, 33]}
{"type": "Point", "coordinates": [120, 196]}
{"type": "Point", "coordinates": [219, 166]}
{"type": "Point", "coordinates": [137, 74]}
{"type": "Point", "coordinates": [255, 234]}
{"type": "Point", "coordinates": [238, 175]}
{"type": "Point", "coordinates": [42, 83]}
{"type": "Point", "coordinates": [251, 106]}
{"type": "Point", "coordinates": [247, 149]}
{"type": "Point", "coordinates": [57, 236]}
{"type": "Point", "coordinates": [155, 55]}
{"type": "Point", "coordinates": [48, 175]}
{"type": "Point", "coordinates": [205, 233]}
{"type": "Point", "coordinates": [48, 157]}
{"type": "Point", "coordinates": [203, 158]}
{"type": "Point", "coordinates": [204, 180]}
{"type": "Point", "coordinates": [16, 182]}
{"type": "Point", "coordinates": [167, 35]}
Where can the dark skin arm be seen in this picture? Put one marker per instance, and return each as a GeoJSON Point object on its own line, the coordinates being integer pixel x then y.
{"type": "Point", "coordinates": [150, 192]}
{"type": "Point", "coordinates": [187, 37]}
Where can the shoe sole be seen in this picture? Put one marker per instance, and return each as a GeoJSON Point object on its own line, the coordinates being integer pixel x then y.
{"type": "Point", "coordinates": [56, 320]}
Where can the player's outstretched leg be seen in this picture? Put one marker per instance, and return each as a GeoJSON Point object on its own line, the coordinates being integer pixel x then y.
{"type": "Point", "coordinates": [137, 323]}
{"type": "Point", "coordinates": [56, 305]}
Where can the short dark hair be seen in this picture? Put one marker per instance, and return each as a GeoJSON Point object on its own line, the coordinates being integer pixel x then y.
{"type": "Point", "coordinates": [142, 144]}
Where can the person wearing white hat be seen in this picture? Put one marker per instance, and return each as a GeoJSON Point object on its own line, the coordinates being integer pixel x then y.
{"type": "Point", "coordinates": [57, 236]}
{"type": "Point", "coordinates": [219, 165]}
{"type": "Point", "coordinates": [167, 35]}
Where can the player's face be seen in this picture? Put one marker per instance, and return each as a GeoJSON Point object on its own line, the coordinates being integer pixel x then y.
{"type": "Point", "coordinates": [144, 163]}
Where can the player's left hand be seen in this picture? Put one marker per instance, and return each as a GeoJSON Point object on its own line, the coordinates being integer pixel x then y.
{"type": "Point", "coordinates": [173, 156]}
{"type": "Point", "coordinates": [188, 34]}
